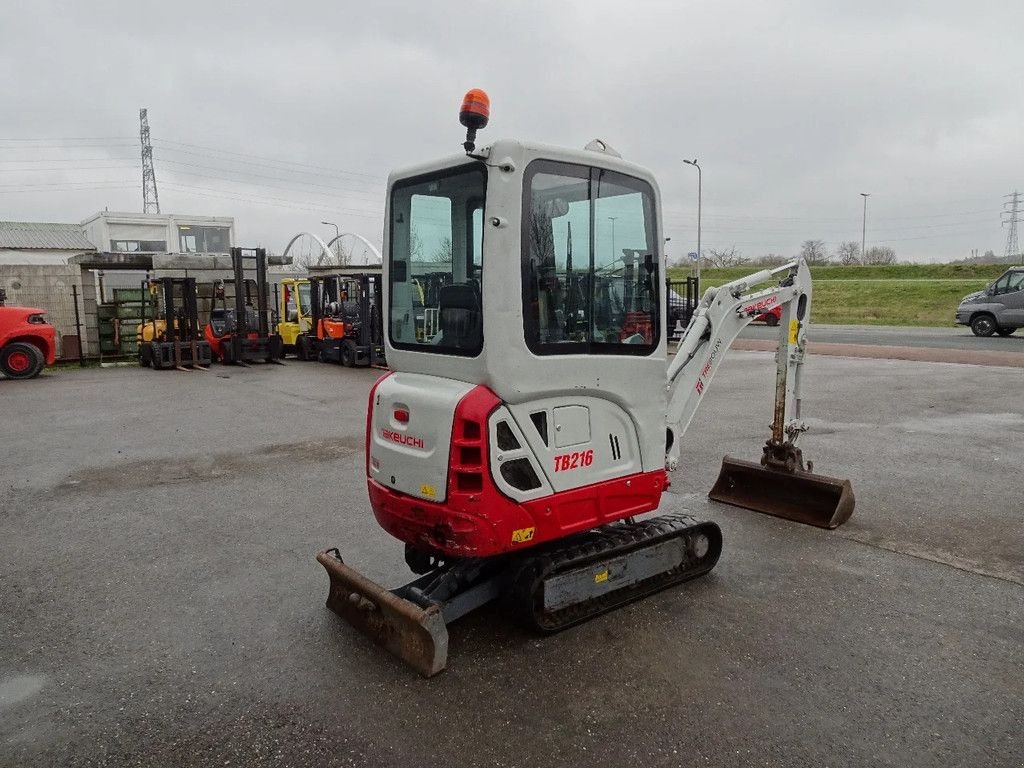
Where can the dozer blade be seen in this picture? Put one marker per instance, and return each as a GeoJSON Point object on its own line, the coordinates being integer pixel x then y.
{"type": "Point", "coordinates": [416, 635]}
{"type": "Point", "coordinates": [801, 496]}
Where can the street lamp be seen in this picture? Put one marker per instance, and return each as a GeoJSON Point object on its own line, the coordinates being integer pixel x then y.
{"type": "Point", "coordinates": [864, 228]}
{"type": "Point", "coordinates": [699, 195]}
{"type": "Point", "coordinates": [337, 234]}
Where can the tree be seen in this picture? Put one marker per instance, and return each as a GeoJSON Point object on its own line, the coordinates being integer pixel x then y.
{"type": "Point", "coordinates": [990, 256]}
{"type": "Point", "coordinates": [443, 253]}
{"type": "Point", "coordinates": [725, 257]}
{"type": "Point", "coordinates": [415, 244]}
{"type": "Point", "coordinates": [848, 253]}
{"type": "Point", "coordinates": [880, 254]}
{"type": "Point", "coordinates": [814, 252]}
{"type": "Point", "coordinates": [770, 260]}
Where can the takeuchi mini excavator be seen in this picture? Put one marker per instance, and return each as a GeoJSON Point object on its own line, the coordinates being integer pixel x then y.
{"type": "Point", "coordinates": [515, 446]}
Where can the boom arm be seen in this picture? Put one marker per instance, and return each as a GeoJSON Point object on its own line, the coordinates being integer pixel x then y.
{"type": "Point", "coordinates": [722, 313]}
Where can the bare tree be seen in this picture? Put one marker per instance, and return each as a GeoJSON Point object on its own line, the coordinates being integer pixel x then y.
{"type": "Point", "coordinates": [880, 254]}
{"type": "Point", "coordinates": [725, 257]}
{"type": "Point", "coordinates": [848, 253]}
{"type": "Point", "coordinates": [415, 244]}
{"type": "Point", "coordinates": [770, 260]}
{"type": "Point", "coordinates": [814, 252]}
{"type": "Point", "coordinates": [443, 253]}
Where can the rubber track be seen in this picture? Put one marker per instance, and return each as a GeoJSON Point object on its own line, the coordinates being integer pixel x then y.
{"type": "Point", "coordinates": [603, 543]}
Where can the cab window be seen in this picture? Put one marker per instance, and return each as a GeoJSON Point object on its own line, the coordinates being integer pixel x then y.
{"type": "Point", "coordinates": [589, 261]}
{"type": "Point", "coordinates": [1014, 282]}
{"type": "Point", "coordinates": [436, 262]}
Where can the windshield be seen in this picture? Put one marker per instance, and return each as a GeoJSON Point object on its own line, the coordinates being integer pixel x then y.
{"type": "Point", "coordinates": [435, 260]}
{"type": "Point", "coordinates": [590, 265]}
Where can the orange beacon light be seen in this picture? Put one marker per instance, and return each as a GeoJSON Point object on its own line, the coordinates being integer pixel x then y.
{"type": "Point", "coordinates": [475, 110]}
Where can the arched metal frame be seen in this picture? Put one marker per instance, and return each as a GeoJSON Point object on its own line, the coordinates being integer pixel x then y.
{"type": "Point", "coordinates": [363, 240]}
{"type": "Point", "coordinates": [325, 248]}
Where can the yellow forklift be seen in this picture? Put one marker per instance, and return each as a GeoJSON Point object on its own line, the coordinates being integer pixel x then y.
{"type": "Point", "coordinates": [294, 315]}
{"type": "Point", "coordinates": [170, 337]}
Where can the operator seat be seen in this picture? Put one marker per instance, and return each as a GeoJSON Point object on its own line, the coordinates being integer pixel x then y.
{"type": "Point", "coordinates": [459, 316]}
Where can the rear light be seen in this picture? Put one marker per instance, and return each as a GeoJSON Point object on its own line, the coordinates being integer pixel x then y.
{"type": "Point", "coordinates": [37, 319]}
{"type": "Point", "coordinates": [401, 415]}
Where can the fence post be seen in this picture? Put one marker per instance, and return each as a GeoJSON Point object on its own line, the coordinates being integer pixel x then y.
{"type": "Point", "coordinates": [78, 328]}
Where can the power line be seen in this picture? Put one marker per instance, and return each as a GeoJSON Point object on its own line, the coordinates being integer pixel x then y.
{"type": "Point", "coordinates": [335, 189]}
{"type": "Point", "coordinates": [276, 201]}
{"type": "Point", "coordinates": [375, 177]}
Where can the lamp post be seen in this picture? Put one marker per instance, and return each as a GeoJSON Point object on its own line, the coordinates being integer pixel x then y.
{"type": "Point", "coordinates": [864, 228]}
{"type": "Point", "coordinates": [337, 234]}
{"type": "Point", "coordinates": [699, 195]}
{"type": "Point", "coordinates": [612, 220]}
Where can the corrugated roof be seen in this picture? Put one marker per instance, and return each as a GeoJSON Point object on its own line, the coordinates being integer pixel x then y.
{"type": "Point", "coordinates": [29, 235]}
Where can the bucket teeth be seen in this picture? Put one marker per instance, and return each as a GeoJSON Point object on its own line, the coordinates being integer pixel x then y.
{"type": "Point", "coordinates": [416, 635]}
{"type": "Point", "coordinates": [804, 497]}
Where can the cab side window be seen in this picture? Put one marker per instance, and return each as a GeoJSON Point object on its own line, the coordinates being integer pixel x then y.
{"type": "Point", "coordinates": [1015, 282]}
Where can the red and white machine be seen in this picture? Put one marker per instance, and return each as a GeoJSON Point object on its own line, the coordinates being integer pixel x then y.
{"type": "Point", "coordinates": [533, 412]}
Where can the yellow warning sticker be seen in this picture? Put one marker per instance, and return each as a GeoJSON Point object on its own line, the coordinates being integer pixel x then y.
{"type": "Point", "coordinates": [521, 535]}
{"type": "Point", "coordinates": [602, 576]}
{"type": "Point", "coordinates": [429, 491]}
{"type": "Point", "coordinates": [794, 326]}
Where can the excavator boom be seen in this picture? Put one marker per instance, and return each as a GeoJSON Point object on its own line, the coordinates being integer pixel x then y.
{"type": "Point", "coordinates": [781, 484]}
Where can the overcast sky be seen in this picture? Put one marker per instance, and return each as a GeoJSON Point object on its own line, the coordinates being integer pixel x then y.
{"type": "Point", "coordinates": [284, 118]}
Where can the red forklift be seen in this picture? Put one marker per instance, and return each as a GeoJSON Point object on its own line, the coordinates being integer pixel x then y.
{"type": "Point", "coordinates": [346, 323]}
{"type": "Point", "coordinates": [240, 335]}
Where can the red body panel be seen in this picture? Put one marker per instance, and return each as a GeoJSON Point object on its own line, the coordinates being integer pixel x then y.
{"type": "Point", "coordinates": [765, 317]}
{"type": "Point", "coordinates": [14, 326]}
{"type": "Point", "coordinates": [477, 520]}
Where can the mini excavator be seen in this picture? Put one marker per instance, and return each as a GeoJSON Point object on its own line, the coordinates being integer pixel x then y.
{"type": "Point", "coordinates": [525, 432]}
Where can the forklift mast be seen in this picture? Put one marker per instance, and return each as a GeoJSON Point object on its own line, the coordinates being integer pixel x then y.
{"type": "Point", "coordinates": [247, 338]}
{"type": "Point", "coordinates": [171, 337]}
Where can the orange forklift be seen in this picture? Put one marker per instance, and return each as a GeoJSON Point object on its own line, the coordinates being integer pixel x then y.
{"type": "Point", "coordinates": [346, 322]}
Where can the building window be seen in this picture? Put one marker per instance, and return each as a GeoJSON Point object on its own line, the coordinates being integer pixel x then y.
{"type": "Point", "coordinates": [195, 239]}
{"type": "Point", "coordinates": [138, 246]}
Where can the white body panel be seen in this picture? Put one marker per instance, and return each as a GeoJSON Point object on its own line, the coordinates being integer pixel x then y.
{"type": "Point", "coordinates": [611, 436]}
{"type": "Point", "coordinates": [412, 457]}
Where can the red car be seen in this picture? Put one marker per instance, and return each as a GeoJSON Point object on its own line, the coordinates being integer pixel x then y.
{"type": "Point", "coordinates": [767, 311]}
{"type": "Point", "coordinates": [771, 317]}
{"type": "Point", "coordinates": [27, 342]}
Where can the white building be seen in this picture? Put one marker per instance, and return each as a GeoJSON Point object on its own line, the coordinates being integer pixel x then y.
{"type": "Point", "coordinates": [159, 233]}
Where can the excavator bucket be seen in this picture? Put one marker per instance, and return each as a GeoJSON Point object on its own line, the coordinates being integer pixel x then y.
{"type": "Point", "coordinates": [801, 496]}
{"type": "Point", "coordinates": [416, 635]}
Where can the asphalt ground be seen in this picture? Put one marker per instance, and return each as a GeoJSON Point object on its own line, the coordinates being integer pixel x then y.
{"type": "Point", "coordinates": [160, 603]}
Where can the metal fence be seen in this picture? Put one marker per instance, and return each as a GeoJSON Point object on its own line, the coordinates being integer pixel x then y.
{"type": "Point", "coordinates": [683, 297]}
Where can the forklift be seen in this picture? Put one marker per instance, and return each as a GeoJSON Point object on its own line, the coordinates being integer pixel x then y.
{"type": "Point", "coordinates": [171, 338]}
{"type": "Point", "coordinates": [346, 321]}
{"type": "Point", "coordinates": [241, 335]}
{"type": "Point", "coordinates": [294, 317]}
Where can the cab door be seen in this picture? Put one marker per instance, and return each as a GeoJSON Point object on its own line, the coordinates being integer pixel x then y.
{"type": "Point", "coordinates": [1010, 293]}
